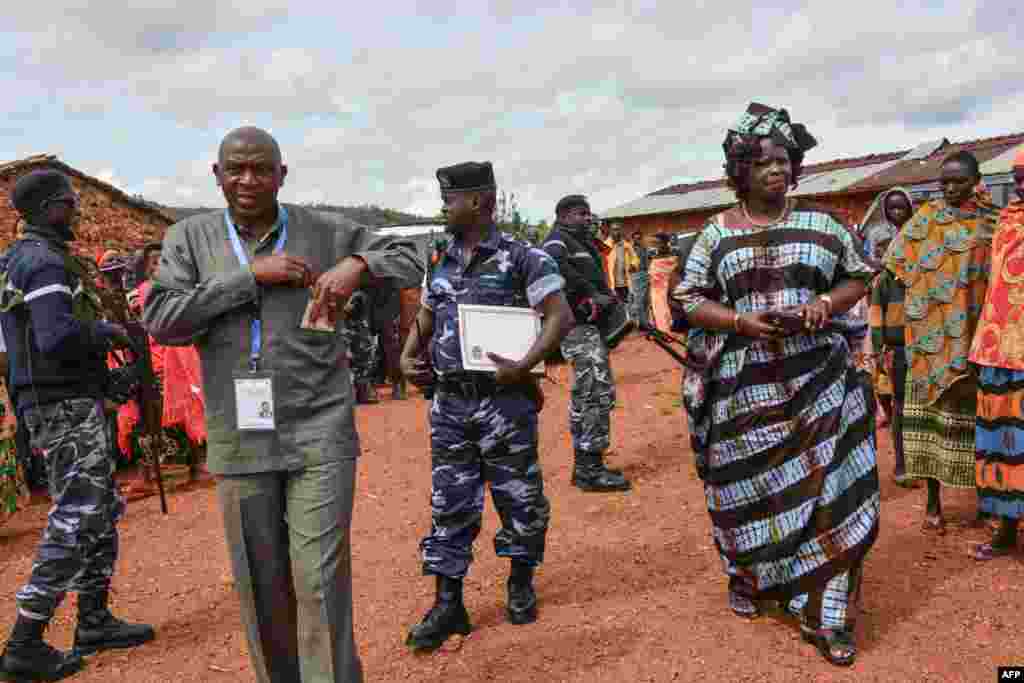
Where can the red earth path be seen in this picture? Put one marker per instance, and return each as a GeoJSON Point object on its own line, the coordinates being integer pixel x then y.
{"type": "Point", "coordinates": [631, 589]}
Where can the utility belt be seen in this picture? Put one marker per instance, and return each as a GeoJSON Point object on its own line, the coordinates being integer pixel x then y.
{"type": "Point", "coordinates": [471, 386]}
{"type": "Point", "coordinates": [476, 386]}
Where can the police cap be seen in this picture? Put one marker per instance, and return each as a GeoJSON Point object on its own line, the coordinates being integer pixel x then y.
{"type": "Point", "coordinates": [469, 176]}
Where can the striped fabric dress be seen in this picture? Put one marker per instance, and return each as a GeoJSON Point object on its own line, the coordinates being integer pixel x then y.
{"type": "Point", "coordinates": [783, 430]}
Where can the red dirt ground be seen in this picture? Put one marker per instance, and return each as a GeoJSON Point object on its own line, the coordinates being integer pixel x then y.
{"type": "Point", "coordinates": [632, 589]}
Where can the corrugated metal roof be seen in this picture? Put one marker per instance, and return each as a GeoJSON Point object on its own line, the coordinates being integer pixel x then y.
{"type": "Point", "coordinates": [837, 180]}
{"type": "Point", "coordinates": [1002, 163]}
{"type": "Point", "coordinates": [862, 174]}
{"type": "Point", "coordinates": [410, 230]}
{"type": "Point", "coordinates": [715, 197]}
{"type": "Point", "coordinates": [917, 172]}
{"type": "Point", "coordinates": [925, 149]}
{"type": "Point", "coordinates": [673, 203]}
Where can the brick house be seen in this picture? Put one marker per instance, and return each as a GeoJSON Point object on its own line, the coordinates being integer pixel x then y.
{"type": "Point", "coordinates": [848, 186]}
{"type": "Point", "coordinates": [110, 219]}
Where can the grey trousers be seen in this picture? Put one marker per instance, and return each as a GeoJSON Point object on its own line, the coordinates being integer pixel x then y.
{"type": "Point", "coordinates": [288, 537]}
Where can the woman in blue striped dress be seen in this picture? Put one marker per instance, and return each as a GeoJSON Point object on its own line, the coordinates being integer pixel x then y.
{"type": "Point", "coordinates": [781, 421]}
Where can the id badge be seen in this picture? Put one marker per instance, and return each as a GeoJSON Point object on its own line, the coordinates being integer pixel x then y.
{"type": "Point", "coordinates": [254, 401]}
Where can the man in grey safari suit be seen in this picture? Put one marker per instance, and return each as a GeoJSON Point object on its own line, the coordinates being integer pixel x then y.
{"type": "Point", "coordinates": [243, 286]}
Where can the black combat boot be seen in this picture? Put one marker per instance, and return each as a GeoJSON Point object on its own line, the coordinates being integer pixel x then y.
{"type": "Point", "coordinates": [28, 657]}
{"type": "Point", "coordinates": [98, 629]}
{"type": "Point", "coordinates": [447, 617]}
{"type": "Point", "coordinates": [590, 474]}
{"type": "Point", "coordinates": [522, 600]}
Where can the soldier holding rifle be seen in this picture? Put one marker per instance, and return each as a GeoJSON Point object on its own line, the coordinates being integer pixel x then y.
{"type": "Point", "coordinates": [573, 246]}
{"type": "Point", "coordinates": [57, 342]}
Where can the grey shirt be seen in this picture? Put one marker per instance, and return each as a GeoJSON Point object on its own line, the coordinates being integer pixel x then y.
{"type": "Point", "coordinates": [202, 295]}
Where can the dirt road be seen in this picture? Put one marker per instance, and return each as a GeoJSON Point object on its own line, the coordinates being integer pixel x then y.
{"type": "Point", "coordinates": [631, 590]}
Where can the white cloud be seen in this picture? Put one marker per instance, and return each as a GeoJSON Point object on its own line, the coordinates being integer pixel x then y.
{"type": "Point", "coordinates": [108, 176]}
{"type": "Point", "coordinates": [612, 99]}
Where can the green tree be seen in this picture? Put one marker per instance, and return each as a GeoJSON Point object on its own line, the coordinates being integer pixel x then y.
{"type": "Point", "coordinates": [509, 219]}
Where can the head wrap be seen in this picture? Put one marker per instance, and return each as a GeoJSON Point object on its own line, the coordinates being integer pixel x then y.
{"type": "Point", "coordinates": [470, 176]}
{"type": "Point", "coordinates": [761, 121]}
{"type": "Point", "coordinates": [875, 228]}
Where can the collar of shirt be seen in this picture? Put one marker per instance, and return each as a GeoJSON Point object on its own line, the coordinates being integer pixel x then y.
{"type": "Point", "coordinates": [489, 244]}
{"type": "Point", "coordinates": [271, 234]}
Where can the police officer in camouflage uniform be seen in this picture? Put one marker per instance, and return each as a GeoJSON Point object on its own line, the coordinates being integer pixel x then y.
{"type": "Point", "coordinates": [483, 426]}
{"type": "Point", "coordinates": [50, 312]}
{"type": "Point", "coordinates": [362, 346]}
{"type": "Point", "coordinates": [573, 246]}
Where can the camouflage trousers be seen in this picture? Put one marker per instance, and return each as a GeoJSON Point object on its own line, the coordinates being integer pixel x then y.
{"type": "Point", "coordinates": [79, 546]}
{"type": "Point", "coordinates": [362, 349]}
{"type": "Point", "coordinates": [593, 389]}
{"type": "Point", "coordinates": [472, 442]}
{"type": "Point", "coordinates": [640, 298]}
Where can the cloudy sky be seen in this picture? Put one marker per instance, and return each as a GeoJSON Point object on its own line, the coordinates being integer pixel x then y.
{"type": "Point", "coordinates": [610, 99]}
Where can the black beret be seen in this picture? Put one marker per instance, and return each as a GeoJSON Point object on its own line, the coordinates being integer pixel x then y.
{"type": "Point", "coordinates": [571, 202]}
{"type": "Point", "coordinates": [470, 176]}
{"type": "Point", "coordinates": [32, 189]}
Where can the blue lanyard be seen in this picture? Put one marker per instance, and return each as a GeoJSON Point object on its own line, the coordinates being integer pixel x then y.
{"type": "Point", "coordinates": [256, 328]}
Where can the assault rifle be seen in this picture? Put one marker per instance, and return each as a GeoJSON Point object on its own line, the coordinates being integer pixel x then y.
{"type": "Point", "coordinates": [133, 379]}
{"type": "Point", "coordinates": [150, 401]}
{"type": "Point", "coordinates": [665, 341]}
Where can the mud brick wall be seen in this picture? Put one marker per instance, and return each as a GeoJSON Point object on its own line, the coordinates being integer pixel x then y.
{"type": "Point", "coordinates": [108, 220]}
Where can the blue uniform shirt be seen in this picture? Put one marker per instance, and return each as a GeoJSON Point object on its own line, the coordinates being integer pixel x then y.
{"type": "Point", "coordinates": [502, 272]}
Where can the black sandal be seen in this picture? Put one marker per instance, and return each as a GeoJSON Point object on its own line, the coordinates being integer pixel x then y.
{"type": "Point", "coordinates": [829, 641]}
{"type": "Point", "coordinates": [743, 607]}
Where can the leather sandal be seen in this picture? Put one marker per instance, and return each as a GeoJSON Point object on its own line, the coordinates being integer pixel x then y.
{"type": "Point", "coordinates": [836, 646]}
{"type": "Point", "coordinates": [743, 607]}
{"type": "Point", "coordinates": [990, 551]}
